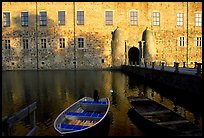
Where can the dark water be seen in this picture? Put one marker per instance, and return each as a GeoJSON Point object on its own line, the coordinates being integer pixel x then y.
{"type": "Point", "coordinates": [56, 90]}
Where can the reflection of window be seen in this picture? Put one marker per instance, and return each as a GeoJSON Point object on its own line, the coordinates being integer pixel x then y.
{"type": "Point", "coordinates": [198, 19]}
{"type": "Point", "coordinates": [80, 17]}
{"type": "Point", "coordinates": [198, 41]}
{"type": "Point", "coordinates": [6, 19]}
{"type": "Point", "coordinates": [62, 42]}
{"type": "Point", "coordinates": [156, 18]}
{"type": "Point", "coordinates": [7, 44]}
{"type": "Point", "coordinates": [61, 17]}
{"type": "Point", "coordinates": [43, 43]}
{"type": "Point", "coordinates": [80, 42]}
{"type": "Point", "coordinates": [181, 41]}
{"type": "Point", "coordinates": [24, 18]}
{"type": "Point", "coordinates": [133, 17]}
{"type": "Point", "coordinates": [25, 43]}
{"type": "Point", "coordinates": [109, 17]}
{"type": "Point", "coordinates": [43, 18]}
{"type": "Point", "coordinates": [180, 19]}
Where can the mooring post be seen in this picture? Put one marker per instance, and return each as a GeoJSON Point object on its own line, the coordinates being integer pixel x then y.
{"type": "Point", "coordinates": [184, 64]}
{"type": "Point", "coordinates": [5, 126]}
{"type": "Point", "coordinates": [145, 64]}
{"type": "Point", "coordinates": [162, 68]}
{"type": "Point", "coordinates": [153, 64]}
{"type": "Point", "coordinates": [176, 67]}
{"type": "Point", "coordinates": [198, 69]}
{"type": "Point", "coordinates": [195, 65]}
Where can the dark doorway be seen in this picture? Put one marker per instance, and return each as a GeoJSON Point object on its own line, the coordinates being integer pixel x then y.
{"type": "Point", "coordinates": [133, 55]}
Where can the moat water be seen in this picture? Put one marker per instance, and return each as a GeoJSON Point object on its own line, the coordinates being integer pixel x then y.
{"type": "Point", "coordinates": [56, 90]}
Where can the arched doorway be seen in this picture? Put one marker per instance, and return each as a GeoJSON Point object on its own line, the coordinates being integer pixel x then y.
{"type": "Point", "coordinates": [133, 56]}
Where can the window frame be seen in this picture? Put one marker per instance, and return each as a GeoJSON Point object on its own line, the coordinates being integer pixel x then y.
{"type": "Point", "coordinates": [25, 44]}
{"type": "Point", "coordinates": [6, 20]}
{"type": "Point", "coordinates": [180, 19]}
{"type": "Point", "coordinates": [43, 43]}
{"type": "Point", "coordinates": [7, 44]}
{"type": "Point", "coordinates": [80, 17]}
{"type": "Point", "coordinates": [23, 19]}
{"type": "Point", "coordinates": [133, 19]}
{"type": "Point", "coordinates": [108, 20]}
{"type": "Point", "coordinates": [181, 41]}
{"type": "Point", "coordinates": [156, 18]}
{"type": "Point", "coordinates": [62, 43]}
{"type": "Point", "coordinates": [43, 21]}
{"type": "Point", "coordinates": [78, 41]}
{"type": "Point", "coordinates": [198, 19]}
{"type": "Point", "coordinates": [61, 17]}
{"type": "Point", "coordinates": [198, 41]}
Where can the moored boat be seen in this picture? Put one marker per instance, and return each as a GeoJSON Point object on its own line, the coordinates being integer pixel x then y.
{"type": "Point", "coordinates": [159, 120]}
{"type": "Point", "coordinates": [83, 115]}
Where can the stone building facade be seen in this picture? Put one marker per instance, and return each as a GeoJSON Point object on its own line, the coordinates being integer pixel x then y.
{"type": "Point", "coordinates": [99, 35]}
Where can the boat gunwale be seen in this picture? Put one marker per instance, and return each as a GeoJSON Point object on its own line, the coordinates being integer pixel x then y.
{"type": "Point", "coordinates": [146, 99]}
{"type": "Point", "coordinates": [75, 131]}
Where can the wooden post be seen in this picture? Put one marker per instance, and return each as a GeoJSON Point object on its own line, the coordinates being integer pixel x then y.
{"type": "Point", "coordinates": [9, 122]}
{"type": "Point", "coordinates": [162, 68]}
{"type": "Point", "coordinates": [184, 64]}
{"type": "Point", "coordinates": [198, 69]}
{"type": "Point", "coordinates": [153, 64]}
{"type": "Point", "coordinates": [5, 126]}
{"type": "Point", "coordinates": [195, 65]}
{"type": "Point", "coordinates": [145, 64]}
{"type": "Point", "coordinates": [176, 67]}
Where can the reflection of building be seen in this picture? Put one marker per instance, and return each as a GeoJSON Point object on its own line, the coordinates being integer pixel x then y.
{"type": "Point", "coordinates": [106, 34]}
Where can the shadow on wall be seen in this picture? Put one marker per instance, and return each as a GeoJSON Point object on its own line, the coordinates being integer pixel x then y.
{"type": "Point", "coordinates": [96, 53]}
{"type": "Point", "coordinates": [118, 47]}
{"type": "Point", "coordinates": [19, 57]}
{"type": "Point", "coordinates": [149, 46]}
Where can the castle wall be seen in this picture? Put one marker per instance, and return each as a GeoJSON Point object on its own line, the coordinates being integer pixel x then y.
{"type": "Point", "coordinates": [97, 52]}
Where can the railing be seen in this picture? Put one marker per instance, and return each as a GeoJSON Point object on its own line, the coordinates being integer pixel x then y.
{"type": "Point", "coordinates": [9, 122]}
{"type": "Point", "coordinates": [163, 64]}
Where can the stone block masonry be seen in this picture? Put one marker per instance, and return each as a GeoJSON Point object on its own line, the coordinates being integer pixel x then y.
{"type": "Point", "coordinates": [100, 50]}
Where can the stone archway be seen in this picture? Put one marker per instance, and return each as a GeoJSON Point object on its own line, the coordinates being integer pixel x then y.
{"type": "Point", "coordinates": [133, 56]}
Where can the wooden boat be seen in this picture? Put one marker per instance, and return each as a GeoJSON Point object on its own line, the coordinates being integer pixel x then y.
{"type": "Point", "coordinates": [82, 115]}
{"type": "Point", "coordinates": [160, 120]}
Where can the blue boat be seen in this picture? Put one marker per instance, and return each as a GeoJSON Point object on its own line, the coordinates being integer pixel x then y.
{"type": "Point", "coordinates": [83, 115]}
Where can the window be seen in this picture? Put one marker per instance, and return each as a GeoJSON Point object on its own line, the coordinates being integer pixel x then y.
{"type": "Point", "coordinates": [43, 43]}
{"type": "Point", "coordinates": [25, 43]}
{"type": "Point", "coordinates": [80, 42]}
{"type": "Point", "coordinates": [43, 18]}
{"type": "Point", "coordinates": [7, 44]}
{"type": "Point", "coordinates": [181, 41]}
{"type": "Point", "coordinates": [61, 17]}
{"type": "Point", "coordinates": [6, 19]}
{"type": "Point", "coordinates": [179, 19]}
{"type": "Point", "coordinates": [109, 17]}
{"type": "Point", "coordinates": [24, 18]}
{"type": "Point", "coordinates": [156, 18]}
{"type": "Point", "coordinates": [62, 42]}
{"type": "Point", "coordinates": [198, 19]}
{"type": "Point", "coordinates": [133, 18]}
{"type": "Point", "coordinates": [198, 41]}
{"type": "Point", "coordinates": [80, 17]}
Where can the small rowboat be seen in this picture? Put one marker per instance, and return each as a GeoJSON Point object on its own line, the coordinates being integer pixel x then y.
{"type": "Point", "coordinates": [82, 115]}
{"type": "Point", "coordinates": [159, 120]}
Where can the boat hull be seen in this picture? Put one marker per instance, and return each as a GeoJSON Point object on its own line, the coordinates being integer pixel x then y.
{"type": "Point", "coordinates": [155, 119]}
{"type": "Point", "coordinates": [84, 117]}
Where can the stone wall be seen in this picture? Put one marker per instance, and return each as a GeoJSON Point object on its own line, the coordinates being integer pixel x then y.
{"type": "Point", "coordinates": [98, 51]}
{"type": "Point", "coordinates": [186, 84]}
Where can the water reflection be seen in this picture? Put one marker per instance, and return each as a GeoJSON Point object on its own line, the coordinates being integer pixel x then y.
{"type": "Point", "coordinates": [56, 90]}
